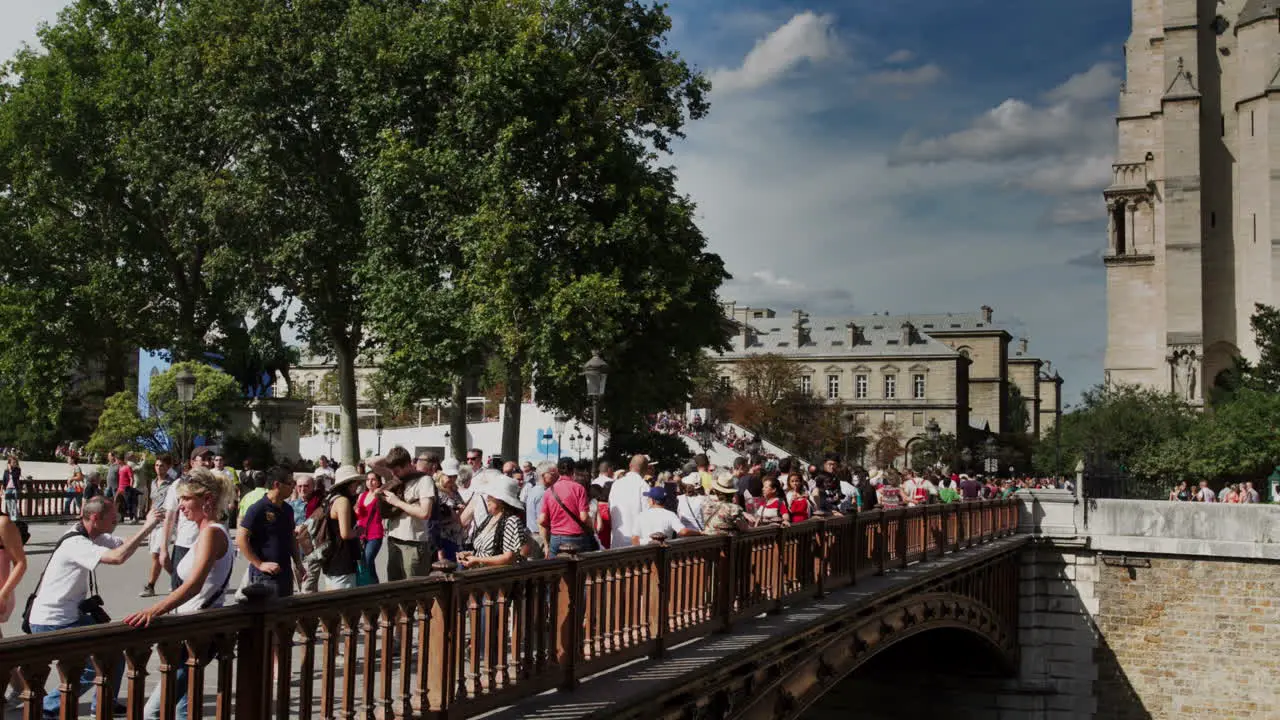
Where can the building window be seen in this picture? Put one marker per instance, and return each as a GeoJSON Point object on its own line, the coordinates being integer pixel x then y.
{"type": "Point", "coordinates": [833, 387]}
{"type": "Point", "coordinates": [806, 385]}
{"type": "Point", "coordinates": [917, 419]}
{"type": "Point", "coordinates": [726, 383]}
{"type": "Point", "coordinates": [311, 388]}
{"type": "Point", "coordinates": [917, 386]}
{"type": "Point", "coordinates": [891, 418]}
{"type": "Point", "coordinates": [861, 419]}
{"type": "Point", "coordinates": [860, 387]}
{"type": "Point", "coordinates": [890, 387]}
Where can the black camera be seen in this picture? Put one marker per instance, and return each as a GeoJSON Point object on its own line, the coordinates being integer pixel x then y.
{"type": "Point", "coordinates": [95, 608]}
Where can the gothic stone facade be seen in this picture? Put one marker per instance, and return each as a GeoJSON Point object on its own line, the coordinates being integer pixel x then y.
{"type": "Point", "coordinates": [1193, 244]}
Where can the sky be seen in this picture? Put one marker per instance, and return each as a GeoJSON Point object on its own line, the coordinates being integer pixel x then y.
{"type": "Point", "coordinates": [868, 156]}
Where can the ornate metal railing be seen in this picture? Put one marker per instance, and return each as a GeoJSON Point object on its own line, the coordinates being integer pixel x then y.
{"type": "Point", "coordinates": [461, 643]}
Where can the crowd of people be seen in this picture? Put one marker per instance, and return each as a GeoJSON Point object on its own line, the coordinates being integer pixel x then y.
{"type": "Point", "coordinates": [1235, 493]}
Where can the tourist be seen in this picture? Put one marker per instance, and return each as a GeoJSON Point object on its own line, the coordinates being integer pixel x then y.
{"type": "Point", "coordinates": [689, 502]}
{"type": "Point", "coordinates": [11, 481]}
{"type": "Point", "coordinates": [1232, 494]}
{"type": "Point", "coordinates": [66, 594]}
{"type": "Point", "coordinates": [450, 535]}
{"type": "Point", "coordinates": [771, 508]}
{"type": "Point", "coordinates": [702, 465]}
{"type": "Point", "coordinates": [267, 540]}
{"type": "Point", "coordinates": [503, 538]}
{"type": "Point", "coordinates": [475, 460]}
{"type": "Point", "coordinates": [626, 502]}
{"type": "Point", "coordinates": [1250, 493]}
{"type": "Point", "coordinates": [1180, 493]}
{"type": "Point", "coordinates": [657, 520]}
{"type": "Point", "coordinates": [13, 566]}
{"type": "Point", "coordinates": [565, 513]}
{"type": "Point", "coordinates": [74, 487]}
{"type": "Point", "coordinates": [308, 496]}
{"type": "Point", "coordinates": [323, 473]}
{"type": "Point", "coordinates": [605, 476]}
{"type": "Point", "coordinates": [970, 489]}
{"type": "Point", "coordinates": [369, 522]}
{"type": "Point", "coordinates": [163, 482]}
{"type": "Point", "coordinates": [889, 494]}
{"type": "Point", "coordinates": [179, 530]}
{"type": "Point", "coordinates": [601, 517]}
{"type": "Point", "coordinates": [532, 497]}
{"type": "Point", "coordinates": [340, 549]}
{"type": "Point", "coordinates": [205, 570]}
{"type": "Point", "coordinates": [720, 514]}
{"type": "Point", "coordinates": [948, 492]}
{"type": "Point", "coordinates": [1205, 493]}
{"type": "Point", "coordinates": [411, 501]}
{"type": "Point", "coordinates": [125, 486]}
{"type": "Point", "coordinates": [797, 498]}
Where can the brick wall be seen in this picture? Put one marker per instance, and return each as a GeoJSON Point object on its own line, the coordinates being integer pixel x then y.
{"type": "Point", "coordinates": [1188, 638]}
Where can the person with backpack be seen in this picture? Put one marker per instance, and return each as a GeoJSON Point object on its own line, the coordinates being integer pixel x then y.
{"type": "Point", "coordinates": [266, 537]}
{"type": "Point", "coordinates": [13, 566]}
{"type": "Point", "coordinates": [410, 510]}
{"type": "Point", "coordinates": [503, 538]}
{"type": "Point", "coordinates": [337, 542]}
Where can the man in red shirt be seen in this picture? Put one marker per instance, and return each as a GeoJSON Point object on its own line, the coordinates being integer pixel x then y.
{"type": "Point", "coordinates": [565, 511]}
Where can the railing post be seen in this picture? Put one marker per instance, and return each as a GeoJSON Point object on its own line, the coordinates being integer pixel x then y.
{"type": "Point", "coordinates": [882, 548]}
{"type": "Point", "coordinates": [569, 620]}
{"type": "Point", "coordinates": [441, 651]}
{"type": "Point", "coordinates": [726, 588]}
{"type": "Point", "coordinates": [660, 594]}
{"type": "Point", "coordinates": [253, 654]}
{"type": "Point", "coordinates": [855, 546]}
{"type": "Point", "coordinates": [818, 561]}
{"type": "Point", "coordinates": [780, 566]}
{"type": "Point", "coordinates": [926, 531]}
{"type": "Point", "coordinates": [903, 522]}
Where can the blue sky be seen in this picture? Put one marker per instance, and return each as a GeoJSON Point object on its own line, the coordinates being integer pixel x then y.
{"type": "Point", "coordinates": [923, 156]}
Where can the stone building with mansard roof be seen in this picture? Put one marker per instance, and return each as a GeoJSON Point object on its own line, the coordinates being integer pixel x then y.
{"type": "Point", "coordinates": [1193, 242]}
{"type": "Point", "coordinates": [954, 368]}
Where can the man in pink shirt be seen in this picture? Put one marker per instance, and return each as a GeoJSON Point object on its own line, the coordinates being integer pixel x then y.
{"type": "Point", "coordinates": [124, 484]}
{"type": "Point", "coordinates": [564, 512]}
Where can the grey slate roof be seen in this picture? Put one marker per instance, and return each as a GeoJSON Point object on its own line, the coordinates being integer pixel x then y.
{"type": "Point", "coordinates": [881, 337]}
{"type": "Point", "coordinates": [1258, 10]}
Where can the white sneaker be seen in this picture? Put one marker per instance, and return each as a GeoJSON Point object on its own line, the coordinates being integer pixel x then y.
{"type": "Point", "coordinates": [12, 697]}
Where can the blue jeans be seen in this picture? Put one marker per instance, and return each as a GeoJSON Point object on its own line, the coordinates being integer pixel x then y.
{"type": "Point", "coordinates": [53, 701]}
{"type": "Point", "coordinates": [11, 503]}
{"type": "Point", "coordinates": [584, 543]}
{"type": "Point", "coordinates": [152, 709]}
{"type": "Point", "coordinates": [369, 554]}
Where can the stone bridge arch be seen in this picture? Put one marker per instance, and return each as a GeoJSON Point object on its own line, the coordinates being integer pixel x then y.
{"type": "Point", "coordinates": [978, 603]}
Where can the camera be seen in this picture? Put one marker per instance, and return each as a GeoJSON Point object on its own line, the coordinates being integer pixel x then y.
{"type": "Point", "coordinates": [95, 608]}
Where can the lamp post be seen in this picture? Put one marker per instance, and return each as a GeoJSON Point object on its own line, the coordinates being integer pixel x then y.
{"type": "Point", "coordinates": [377, 431]}
{"type": "Point", "coordinates": [185, 382]}
{"type": "Point", "coordinates": [934, 433]}
{"type": "Point", "coordinates": [330, 435]}
{"type": "Point", "coordinates": [850, 419]}
{"type": "Point", "coordinates": [448, 449]}
{"type": "Point", "coordinates": [596, 371]}
{"type": "Point", "coordinates": [989, 451]}
{"type": "Point", "coordinates": [559, 420]}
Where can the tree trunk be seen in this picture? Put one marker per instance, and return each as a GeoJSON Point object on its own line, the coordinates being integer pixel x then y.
{"type": "Point", "coordinates": [513, 396]}
{"type": "Point", "coordinates": [349, 443]}
{"type": "Point", "coordinates": [458, 420]}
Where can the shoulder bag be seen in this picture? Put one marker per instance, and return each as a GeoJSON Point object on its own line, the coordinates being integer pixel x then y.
{"type": "Point", "coordinates": [587, 532]}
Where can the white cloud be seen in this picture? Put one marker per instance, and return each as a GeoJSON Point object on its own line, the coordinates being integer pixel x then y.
{"type": "Point", "coordinates": [1071, 122]}
{"type": "Point", "coordinates": [1069, 175]}
{"type": "Point", "coordinates": [900, 57]}
{"type": "Point", "coordinates": [806, 37]}
{"type": "Point", "coordinates": [923, 75]}
{"type": "Point", "coordinates": [1078, 209]}
{"type": "Point", "coordinates": [768, 277]}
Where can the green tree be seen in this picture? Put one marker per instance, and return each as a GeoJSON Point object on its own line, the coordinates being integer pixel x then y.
{"type": "Point", "coordinates": [121, 427]}
{"type": "Point", "coordinates": [1019, 418]}
{"type": "Point", "coordinates": [887, 444]}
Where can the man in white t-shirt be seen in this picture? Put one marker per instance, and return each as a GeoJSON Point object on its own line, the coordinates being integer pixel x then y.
{"type": "Point", "coordinates": [626, 502]}
{"type": "Point", "coordinates": [65, 583]}
{"type": "Point", "coordinates": [179, 532]}
{"type": "Point", "coordinates": [657, 520]}
{"type": "Point", "coordinates": [410, 551]}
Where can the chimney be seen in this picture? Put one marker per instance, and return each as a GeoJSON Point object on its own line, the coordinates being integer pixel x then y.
{"type": "Point", "coordinates": [799, 334]}
{"type": "Point", "coordinates": [986, 314]}
{"type": "Point", "coordinates": [908, 333]}
{"type": "Point", "coordinates": [746, 333]}
{"type": "Point", "coordinates": [853, 334]}
{"type": "Point", "coordinates": [1022, 346]}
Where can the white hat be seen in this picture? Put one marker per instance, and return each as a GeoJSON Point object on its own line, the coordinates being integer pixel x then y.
{"type": "Point", "coordinates": [346, 474]}
{"type": "Point", "coordinates": [449, 467]}
{"type": "Point", "coordinates": [505, 489]}
{"type": "Point", "coordinates": [692, 479]}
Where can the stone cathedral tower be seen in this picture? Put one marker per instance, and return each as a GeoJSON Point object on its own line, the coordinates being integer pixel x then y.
{"type": "Point", "coordinates": [1194, 202]}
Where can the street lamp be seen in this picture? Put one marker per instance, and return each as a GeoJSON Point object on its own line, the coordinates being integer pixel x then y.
{"type": "Point", "coordinates": [185, 382]}
{"type": "Point", "coordinates": [377, 430]}
{"type": "Point", "coordinates": [331, 435]}
{"type": "Point", "coordinates": [448, 449]}
{"type": "Point", "coordinates": [989, 451]}
{"type": "Point", "coordinates": [596, 371]}
{"type": "Point", "coordinates": [559, 420]}
{"type": "Point", "coordinates": [934, 432]}
{"type": "Point", "coordinates": [850, 420]}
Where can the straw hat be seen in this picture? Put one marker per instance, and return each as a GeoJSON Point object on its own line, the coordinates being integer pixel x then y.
{"type": "Point", "coordinates": [346, 474]}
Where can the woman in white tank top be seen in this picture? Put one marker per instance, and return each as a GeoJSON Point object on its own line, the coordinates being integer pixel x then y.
{"type": "Point", "coordinates": [205, 571]}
